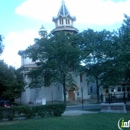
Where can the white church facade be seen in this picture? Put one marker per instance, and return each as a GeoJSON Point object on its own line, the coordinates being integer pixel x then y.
{"type": "Point", "coordinates": [63, 22]}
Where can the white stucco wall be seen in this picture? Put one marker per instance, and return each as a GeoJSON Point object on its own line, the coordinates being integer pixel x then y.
{"type": "Point", "coordinates": [25, 97]}
{"type": "Point", "coordinates": [83, 84]}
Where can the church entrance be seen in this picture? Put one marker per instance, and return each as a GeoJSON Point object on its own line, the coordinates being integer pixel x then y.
{"type": "Point", "coordinates": [71, 95]}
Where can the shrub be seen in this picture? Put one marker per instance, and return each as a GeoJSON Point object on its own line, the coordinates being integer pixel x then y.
{"type": "Point", "coordinates": [1, 114]}
{"type": "Point", "coordinates": [30, 112]}
{"type": "Point", "coordinates": [58, 109]}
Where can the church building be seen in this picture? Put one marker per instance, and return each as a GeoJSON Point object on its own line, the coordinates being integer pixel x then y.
{"type": "Point", "coordinates": [63, 22]}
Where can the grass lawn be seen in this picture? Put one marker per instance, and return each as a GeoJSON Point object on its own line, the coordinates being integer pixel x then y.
{"type": "Point", "coordinates": [99, 121]}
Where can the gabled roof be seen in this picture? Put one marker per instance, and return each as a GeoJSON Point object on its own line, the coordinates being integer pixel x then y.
{"type": "Point", "coordinates": [64, 12]}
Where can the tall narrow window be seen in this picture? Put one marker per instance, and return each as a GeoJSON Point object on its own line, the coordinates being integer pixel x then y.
{"type": "Point", "coordinates": [123, 89]}
{"type": "Point", "coordinates": [68, 21]}
{"type": "Point", "coordinates": [61, 21]}
{"type": "Point", "coordinates": [80, 77]}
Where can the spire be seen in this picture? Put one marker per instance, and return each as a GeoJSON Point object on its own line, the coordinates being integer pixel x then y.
{"type": "Point", "coordinates": [63, 12]}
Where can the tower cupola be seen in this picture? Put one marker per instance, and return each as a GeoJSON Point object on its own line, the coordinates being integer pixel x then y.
{"type": "Point", "coordinates": [42, 32]}
{"type": "Point", "coordinates": [64, 21]}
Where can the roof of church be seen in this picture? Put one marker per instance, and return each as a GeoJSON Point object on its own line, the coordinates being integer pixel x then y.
{"type": "Point", "coordinates": [64, 12]}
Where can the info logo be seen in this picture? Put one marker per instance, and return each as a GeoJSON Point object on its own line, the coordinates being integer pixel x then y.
{"type": "Point", "coordinates": [122, 124]}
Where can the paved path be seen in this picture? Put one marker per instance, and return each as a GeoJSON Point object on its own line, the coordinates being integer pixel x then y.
{"type": "Point", "coordinates": [76, 112]}
{"type": "Point", "coordinates": [84, 107]}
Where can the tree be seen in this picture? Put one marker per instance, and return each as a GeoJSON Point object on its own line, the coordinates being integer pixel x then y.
{"type": "Point", "coordinates": [96, 47]}
{"type": "Point", "coordinates": [11, 82]}
{"type": "Point", "coordinates": [124, 51]}
{"type": "Point", "coordinates": [1, 45]}
{"type": "Point", "coordinates": [58, 59]}
{"type": "Point", "coordinates": [119, 71]}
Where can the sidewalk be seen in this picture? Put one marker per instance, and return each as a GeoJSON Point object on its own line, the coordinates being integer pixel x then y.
{"type": "Point", "coordinates": [85, 102]}
{"type": "Point", "coordinates": [76, 112]}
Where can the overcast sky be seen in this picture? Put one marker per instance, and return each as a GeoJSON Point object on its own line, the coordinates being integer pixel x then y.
{"type": "Point", "coordinates": [20, 20]}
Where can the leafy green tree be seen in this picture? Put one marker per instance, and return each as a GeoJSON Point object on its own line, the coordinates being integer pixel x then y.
{"type": "Point", "coordinates": [96, 48]}
{"type": "Point", "coordinates": [11, 82]}
{"type": "Point", "coordinates": [118, 71]}
{"type": "Point", "coordinates": [123, 52]}
{"type": "Point", "coordinates": [58, 59]}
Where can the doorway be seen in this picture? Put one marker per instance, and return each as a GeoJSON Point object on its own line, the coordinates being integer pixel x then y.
{"type": "Point", "coordinates": [71, 95]}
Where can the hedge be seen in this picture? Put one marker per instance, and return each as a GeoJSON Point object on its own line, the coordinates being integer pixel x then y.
{"type": "Point", "coordinates": [31, 111]}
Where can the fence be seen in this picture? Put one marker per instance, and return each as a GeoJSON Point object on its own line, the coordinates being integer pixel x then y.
{"type": "Point", "coordinates": [115, 98]}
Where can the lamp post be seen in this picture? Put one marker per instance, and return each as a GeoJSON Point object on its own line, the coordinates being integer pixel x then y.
{"type": "Point", "coordinates": [114, 95]}
{"type": "Point", "coordinates": [81, 88]}
{"type": "Point", "coordinates": [114, 92]}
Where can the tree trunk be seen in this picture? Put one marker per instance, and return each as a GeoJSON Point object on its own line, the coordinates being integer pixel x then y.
{"type": "Point", "coordinates": [64, 89]}
{"type": "Point", "coordinates": [97, 89]}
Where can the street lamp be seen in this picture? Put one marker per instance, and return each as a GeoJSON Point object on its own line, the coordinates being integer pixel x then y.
{"type": "Point", "coordinates": [114, 94]}
{"type": "Point", "coordinates": [114, 91]}
{"type": "Point", "coordinates": [81, 88]}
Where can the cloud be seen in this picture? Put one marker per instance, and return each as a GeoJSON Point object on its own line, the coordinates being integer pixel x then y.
{"type": "Point", "coordinates": [39, 9]}
{"type": "Point", "coordinates": [15, 41]}
{"type": "Point", "coordinates": [87, 11]}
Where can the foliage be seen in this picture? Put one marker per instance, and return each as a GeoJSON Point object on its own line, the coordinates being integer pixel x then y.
{"type": "Point", "coordinates": [106, 55]}
{"type": "Point", "coordinates": [58, 109]}
{"type": "Point", "coordinates": [118, 71]}
{"type": "Point", "coordinates": [11, 82]}
{"type": "Point", "coordinates": [31, 112]}
{"type": "Point", "coordinates": [95, 47]}
{"type": "Point", "coordinates": [57, 57]}
{"type": "Point", "coordinates": [1, 45]}
{"type": "Point", "coordinates": [123, 56]}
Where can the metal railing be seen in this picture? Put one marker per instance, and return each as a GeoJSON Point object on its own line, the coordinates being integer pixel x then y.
{"type": "Point", "coordinates": [115, 98]}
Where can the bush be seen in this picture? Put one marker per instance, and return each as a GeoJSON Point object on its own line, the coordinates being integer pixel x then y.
{"type": "Point", "coordinates": [31, 112]}
{"type": "Point", "coordinates": [58, 109]}
{"type": "Point", "coordinates": [28, 112]}
{"type": "Point", "coordinates": [1, 114]}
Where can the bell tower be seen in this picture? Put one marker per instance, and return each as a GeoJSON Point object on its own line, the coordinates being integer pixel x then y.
{"type": "Point", "coordinates": [64, 21]}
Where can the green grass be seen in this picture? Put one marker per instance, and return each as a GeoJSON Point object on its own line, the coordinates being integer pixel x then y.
{"type": "Point", "coordinates": [99, 121]}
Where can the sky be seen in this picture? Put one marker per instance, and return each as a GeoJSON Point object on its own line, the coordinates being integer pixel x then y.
{"type": "Point", "coordinates": [20, 20]}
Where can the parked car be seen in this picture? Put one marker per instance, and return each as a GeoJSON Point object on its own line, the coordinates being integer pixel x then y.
{"type": "Point", "coordinates": [7, 104]}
